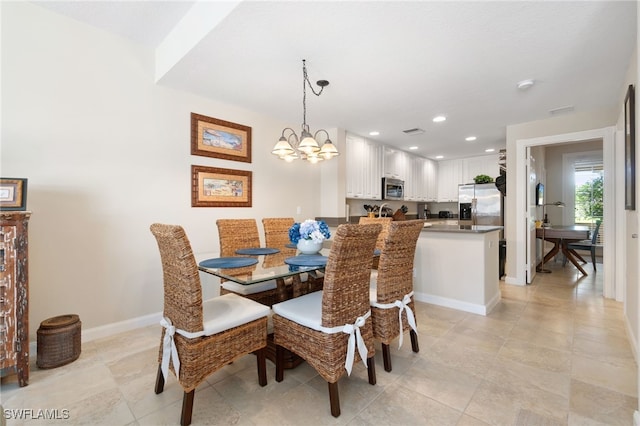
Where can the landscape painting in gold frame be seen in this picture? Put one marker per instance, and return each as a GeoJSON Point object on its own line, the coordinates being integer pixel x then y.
{"type": "Point", "coordinates": [217, 187]}
{"type": "Point", "coordinates": [211, 137]}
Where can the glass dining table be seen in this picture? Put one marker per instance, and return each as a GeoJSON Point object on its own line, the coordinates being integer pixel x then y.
{"type": "Point", "coordinates": [286, 266]}
{"type": "Point", "coordinates": [286, 263]}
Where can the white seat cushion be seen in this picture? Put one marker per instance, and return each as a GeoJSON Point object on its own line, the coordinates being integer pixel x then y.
{"type": "Point", "coordinates": [227, 311]}
{"type": "Point", "coordinates": [249, 289]}
{"type": "Point", "coordinates": [373, 286]}
{"type": "Point", "coordinates": [305, 310]}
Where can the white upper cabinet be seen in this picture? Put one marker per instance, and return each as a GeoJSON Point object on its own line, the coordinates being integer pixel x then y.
{"type": "Point", "coordinates": [364, 168]}
{"type": "Point", "coordinates": [431, 182]}
{"type": "Point", "coordinates": [484, 165]}
{"type": "Point", "coordinates": [396, 163]}
{"type": "Point", "coordinates": [449, 177]}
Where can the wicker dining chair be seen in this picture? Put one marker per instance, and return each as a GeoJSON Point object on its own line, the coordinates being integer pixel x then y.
{"type": "Point", "coordinates": [391, 292]}
{"type": "Point", "coordinates": [385, 222]}
{"type": "Point", "coordinates": [326, 327]}
{"type": "Point", "coordinates": [237, 234]}
{"type": "Point", "coordinates": [200, 337]}
{"type": "Point", "coordinates": [276, 235]}
{"type": "Point", "coordinates": [276, 231]}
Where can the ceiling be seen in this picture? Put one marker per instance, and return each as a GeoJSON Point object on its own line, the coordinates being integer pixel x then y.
{"type": "Point", "coordinates": [391, 65]}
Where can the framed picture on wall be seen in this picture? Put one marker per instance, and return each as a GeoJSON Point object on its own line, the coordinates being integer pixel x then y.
{"type": "Point", "coordinates": [217, 187]}
{"type": "Point", "coordinates": [13, 194]}
{"type": "Point", "coordinates": [629, 150]}
{"type": "Point", "coordinates": [211, 137]}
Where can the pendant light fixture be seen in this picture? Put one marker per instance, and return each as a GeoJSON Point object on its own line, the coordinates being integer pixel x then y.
{"type": "Point", "coordinates": [306, 146]}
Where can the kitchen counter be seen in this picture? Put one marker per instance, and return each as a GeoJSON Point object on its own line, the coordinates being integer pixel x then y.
{"type": "Point", "coordinates": [478, 229]}
{"type": "Point", "coordinates": [457, 267]}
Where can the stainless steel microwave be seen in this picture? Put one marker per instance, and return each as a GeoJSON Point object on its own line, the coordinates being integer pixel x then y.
{"type": "Point", "coordinates": [392, 189]}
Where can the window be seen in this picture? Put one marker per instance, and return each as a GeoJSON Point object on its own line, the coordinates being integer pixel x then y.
{"type": "Point", "coordinates": [589, 180]}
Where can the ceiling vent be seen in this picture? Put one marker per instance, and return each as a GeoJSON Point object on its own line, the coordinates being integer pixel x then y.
{"type": "Point", "coordinates": [561, 110]}
{"type": "Point", "coordinates": [414, 131]}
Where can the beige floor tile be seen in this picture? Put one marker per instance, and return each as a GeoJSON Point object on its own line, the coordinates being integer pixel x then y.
{"type": "Point", "coordinates": [398, 405]}
{"type": "Point", "coordinates": [620, 378]}
{"type": "Point", "coordinates": [551, 353]}
{"type": "Point", "coordinates": [446, 385]}
{"type": "Point", "coordinates": [536, 356]}
{"type": "Point", "coordinates": [601, 405]}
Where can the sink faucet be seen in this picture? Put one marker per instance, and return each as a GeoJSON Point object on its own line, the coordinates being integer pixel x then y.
{"type": "Point", "coordinates": [381, 210]}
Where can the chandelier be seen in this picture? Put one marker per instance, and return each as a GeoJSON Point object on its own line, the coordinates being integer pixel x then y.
{"type": "Point", "coordinates": [306, 146]}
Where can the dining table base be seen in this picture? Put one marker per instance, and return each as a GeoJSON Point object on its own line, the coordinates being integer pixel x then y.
{"type": "Point", "coordinates": [560, 246]}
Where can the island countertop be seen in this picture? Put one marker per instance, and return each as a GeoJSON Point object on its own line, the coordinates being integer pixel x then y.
{"type": "Point", "coordinates": [477, 229]}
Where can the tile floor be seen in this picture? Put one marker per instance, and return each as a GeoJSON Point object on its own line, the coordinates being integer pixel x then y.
{"type": "Point", "coordinates": [551, 353]}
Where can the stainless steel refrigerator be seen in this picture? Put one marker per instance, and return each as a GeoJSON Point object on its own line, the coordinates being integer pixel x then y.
{"type": "Point", "coordinates": [480, 204]}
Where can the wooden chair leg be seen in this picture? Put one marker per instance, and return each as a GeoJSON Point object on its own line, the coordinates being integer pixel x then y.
{"type": "Point", "coordinates": [187, 408]}
{"type": "Point", "coordinates": [414, 341]}
{"type": "Point", "coordinates": [593, 258]}
{"type": "Point", "coordinates": [159, 381]}
{"type": "Point", "coordinates": [261, 358]}
{"type": "Point", "coordinates": [371, 369]}
{"type": "Point", "coordinates": [279, 363]}
{"type": "Point", "coordinates": [386, 357]}
{"type": "Point", "coordinates": [334, 399]}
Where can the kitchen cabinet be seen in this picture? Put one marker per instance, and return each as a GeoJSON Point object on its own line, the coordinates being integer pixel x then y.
{"type": "Point", "coordinates": [14, 295]}
{"type": "Point", "coordinates": [431, 182]}
{"type": "Point", "coordinates": [364, 168]}
{"type": "Point", "coordinates": [449, 177]}
{"type": "Point", "coordinates": [483, 165]}
{"type": "Point", "coordinates": [414, 183]}
{"type": "Point", "coordinates": [395, 163]}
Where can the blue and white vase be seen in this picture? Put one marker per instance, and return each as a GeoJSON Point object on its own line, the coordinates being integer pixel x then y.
{"type": "Point", "coordinates": [308, 246]}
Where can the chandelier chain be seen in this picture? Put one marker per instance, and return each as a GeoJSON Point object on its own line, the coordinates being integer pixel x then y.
{"type": "Point", "coordinates": [305, 81]}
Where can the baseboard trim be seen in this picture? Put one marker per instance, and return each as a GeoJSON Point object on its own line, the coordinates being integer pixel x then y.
{"type": "Point", "coordinates": [456, 304]}
{"type": "Point", "coordinates": [111, 329]}
{"type": "Point", "coordinates": [120, 327]}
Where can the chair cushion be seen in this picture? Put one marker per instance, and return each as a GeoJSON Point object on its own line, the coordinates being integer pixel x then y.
{"type": "Point", "coordinates": [373, 286]}
{"type": "Point", "coordinates": [230, 310]}
{"type": "Point", "coordinates": [305, 310]}
{"type": "Point", "coordinates": [249, 289]}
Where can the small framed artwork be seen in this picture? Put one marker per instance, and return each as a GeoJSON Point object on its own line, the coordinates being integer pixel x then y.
{"type": "Point", "coordinates": [216, 187]}
{"type": "Point", "coordinates": [629, 150]}
{"type": "Point", "coordinates": [211, 137]}
{"type": "Point", "coordinates": [13, 194]}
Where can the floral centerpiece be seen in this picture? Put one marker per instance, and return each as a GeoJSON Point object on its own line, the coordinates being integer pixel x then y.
{"type": "Point", "coordinates": [309, 235]}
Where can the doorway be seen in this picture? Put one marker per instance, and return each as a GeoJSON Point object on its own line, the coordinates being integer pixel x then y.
{"type": "Point", "coordinates": [609, 142]}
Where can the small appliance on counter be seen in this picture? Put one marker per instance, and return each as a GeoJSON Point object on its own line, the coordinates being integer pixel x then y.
{"type": "Point", "coordinates": [423, 211]}
{"type": "Point", "coordinates": [445, 214]}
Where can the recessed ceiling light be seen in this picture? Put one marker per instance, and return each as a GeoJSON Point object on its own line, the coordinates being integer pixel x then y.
{"type": "Point", "coordinates": [413, 148]}
{"type": "Point", "coordinates": [374, 133]}
{"type": "Point", "coordinates": [470, 138]}
{"type": "Point", "coordinates": [438, 157]}
{"type": "Point", "coordinates": [439, 118]}
{"type": "Point", "coordinates": [489, 150]}
{"type": "Point", "coordinates": [525, 84]}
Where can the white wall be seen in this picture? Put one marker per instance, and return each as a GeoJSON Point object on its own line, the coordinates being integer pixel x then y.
{"type": "Point", "coordinates": [107, 153]}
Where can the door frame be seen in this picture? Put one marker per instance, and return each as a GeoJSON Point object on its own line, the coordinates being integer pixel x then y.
{"type": "Point", "coordinates": [607, 135]}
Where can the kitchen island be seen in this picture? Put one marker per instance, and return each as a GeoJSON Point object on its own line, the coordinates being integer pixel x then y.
{"type": "Point", "coordinates": [457, 266]}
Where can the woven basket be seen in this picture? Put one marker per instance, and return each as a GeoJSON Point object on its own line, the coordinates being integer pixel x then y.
{"type": "Point", "coordinates": [58, 341]}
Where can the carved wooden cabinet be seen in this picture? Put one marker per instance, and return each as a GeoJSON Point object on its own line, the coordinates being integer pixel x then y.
{"type": "Point", "coordinates": [14, 295]}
